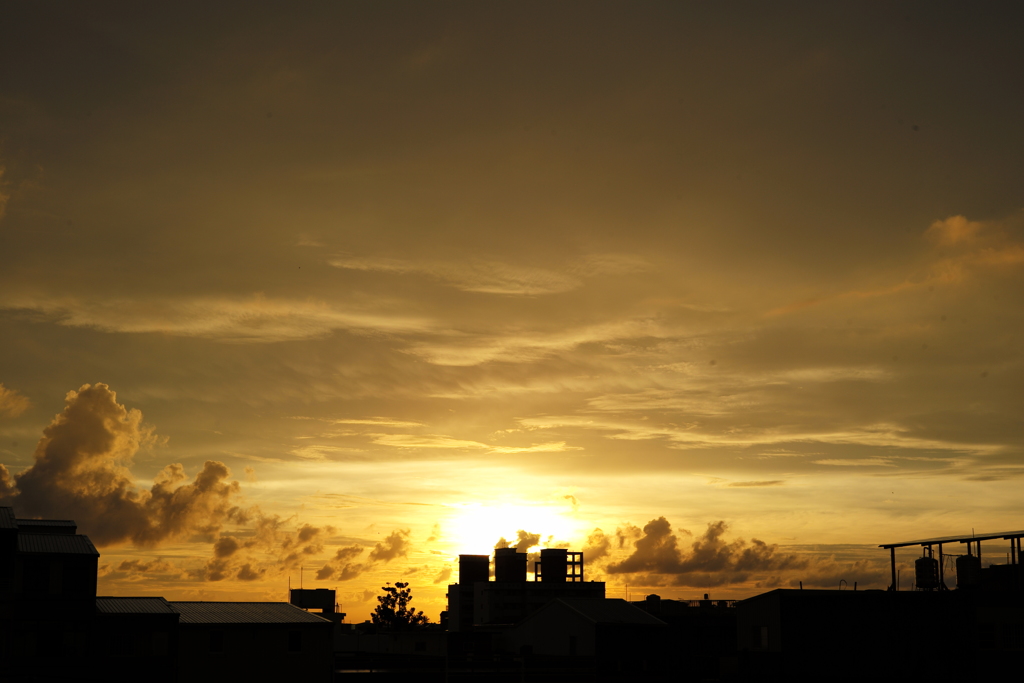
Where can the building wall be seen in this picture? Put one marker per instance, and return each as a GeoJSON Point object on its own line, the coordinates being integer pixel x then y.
{"type": "Point", "coordinates": [258, 652]}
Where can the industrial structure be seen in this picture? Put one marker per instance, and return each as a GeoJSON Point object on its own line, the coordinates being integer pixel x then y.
{"type": "Point", "coordinates": [476, 601]}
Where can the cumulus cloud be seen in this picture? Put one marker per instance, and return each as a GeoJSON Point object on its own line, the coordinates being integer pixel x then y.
{"type": "Point", "coordinates": [12, 404]}
{"type": "Point", "coordinates": [598, 546]}
{"type": "Point", "coordinates": [711, 560]}
{"type": "Point", "coordinates": [80, 472]}
{"type": "Point", "coordinates": [343, 565]}
{"type": "Point", "coordinates": [395, 545]}
{"type": "Point", "coordinates": [524, 541]}
{"type": "Point", "coordinates": [267, 547]}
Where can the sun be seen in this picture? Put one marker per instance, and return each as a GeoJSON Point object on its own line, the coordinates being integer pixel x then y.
{"type": "Point", "coordinates": [475, 528]}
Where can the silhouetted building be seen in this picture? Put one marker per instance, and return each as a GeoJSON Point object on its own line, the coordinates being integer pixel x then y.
{"type": "Point", "coordinates": [54, 627]}
{"type": "Point", "coordinates": [47, 597]}
{"type": "Point", "coordinates": [133, 635]}
{"type": "Point", "coordinates": [272, 641]}
{"type": "Point", "coordinates": [593, 635]}
{"type": "Point", "coordinates": [475, 601]}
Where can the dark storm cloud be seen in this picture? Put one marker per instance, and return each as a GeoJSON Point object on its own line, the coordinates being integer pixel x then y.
{"type": "Point", "coordinates": [80, 472]}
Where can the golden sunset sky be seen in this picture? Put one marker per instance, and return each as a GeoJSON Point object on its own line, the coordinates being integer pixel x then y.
{"type": "Point", "coordinates": [725, 294]}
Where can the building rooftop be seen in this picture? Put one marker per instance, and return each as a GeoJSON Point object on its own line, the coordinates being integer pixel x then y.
{"type": "Point", "coordinates": [62, 544]}
{"type": "Point", "coordinates": [118, 605]}
{"type": "Point", "coordinates": [956, 539]}
{"type": "Point", "coordinates": [609, 611]}
{"type": "Point", "coordinates": [7, 518]}
{"type": "Point", "coordinates": [47, 526]}
{"type": "Point", "coordinates": [243, 613]}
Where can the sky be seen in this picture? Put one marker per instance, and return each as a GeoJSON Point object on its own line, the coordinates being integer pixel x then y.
{"type": "Point", "coordinates": [722, 294]}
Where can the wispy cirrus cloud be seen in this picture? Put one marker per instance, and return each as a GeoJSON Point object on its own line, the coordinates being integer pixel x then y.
{"type": "Point", "coordinates": [474, 275]}
{"type": "Point", "coordinates": [254, 319]}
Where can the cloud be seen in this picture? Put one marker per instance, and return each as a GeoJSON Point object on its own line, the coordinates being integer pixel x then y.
{"type": "Point", "coordinates": [143, 567]}
{"type": "Point", "coordinates": [524, 541]}
{"type": "Point", "coordinates": [552, 447]}
{"type": "Point", "coordinates": [953, 230]}
{"type": "Point", "coordinates": [443, 575]}
{"type": "Point", "coordinates": [486, 277]}
{"type": "Point", "coordinates": [961, 247]}
{"type": "Point", "coordinates": [425, 441]}
{"type": "Point", "coordinates": [256, 319]}
{"type": "Point", "coordinates": [598, 546]}
{"type": "Point", "coordinates": [267, 547]}
{"type": "Point", "coordinates": [12, 404]}
{"type": "Point", "coordinates": [395, 545]}
{"type": "Point", "coordinates": [343, 566]}
{"type": "Point", "coordinates": [80, 472]}
{"type": "Point", "coordinates": [710, 561]}
{"type": "Point", "coordinates": [746, 484]}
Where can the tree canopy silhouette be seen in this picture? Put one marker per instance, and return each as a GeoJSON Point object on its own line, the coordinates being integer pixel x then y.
{"type": "Point", "coordinates": [394, 612]}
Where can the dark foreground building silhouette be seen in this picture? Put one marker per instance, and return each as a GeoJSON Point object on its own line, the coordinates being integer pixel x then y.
{"type": "Point", "coordinates": [53, 627]}
{"type": "Point", "coordinates": [558, 628]}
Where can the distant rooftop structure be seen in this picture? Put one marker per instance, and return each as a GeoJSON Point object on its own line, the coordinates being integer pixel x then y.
{"type": "Point", "coordinates": [243, 613]}
{"type": "Point", "coordinates": [956, 539]}
{"type": "Point", "coordinates": [56, 543]}
{"type": "Point", "coordinates": [7, 520]}
{"type": "Point", "coordinates": [47, 526]}
{"type": "Point", "coordinates": [146, 605]}
{"type": "Point", "coordinates": [609, 611]}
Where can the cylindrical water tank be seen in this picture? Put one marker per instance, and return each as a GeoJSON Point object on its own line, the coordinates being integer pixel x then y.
{"type": "Point", "coordinates": [553, 564]}
{"type": "Point", "coordinates": [926, 571]}
{"type": "Point", "coordinates": [473, 568]}
{"type": "Point", "coordinates": [509, 565]}
{"type": "Point", "coordinates": [968, 571]}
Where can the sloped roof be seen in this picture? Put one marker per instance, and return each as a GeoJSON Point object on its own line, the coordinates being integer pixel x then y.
{"type": "Point", "coordinates": [7, 518]}
{"type": "Point", "coordinates": [956, 539]}
{"type": "Point", "coordinates": [56, 543]}
{"type": "Point", "coordinates": [244, 613]}
{"type": "Point", "coordinates": [119, 605]}
{"type": "Point", "coordinates": [43, 526]}
{"type": "Point", "coordinates": [609, 611]}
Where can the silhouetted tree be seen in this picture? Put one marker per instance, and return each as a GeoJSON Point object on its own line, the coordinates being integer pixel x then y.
{"type": "Point", "coordinates": [394, 611]}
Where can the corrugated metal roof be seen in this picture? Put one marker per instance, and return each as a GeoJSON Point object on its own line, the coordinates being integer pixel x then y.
{"type": "Point", "coordinates": [118, 605]}
{"type": "Point", "coordinates": [56, 543]}
{"type": "Point", "coordinates": [7, 518]}
{"type": "Point", "coordinates": [610, 611]}
{"type": "Point", "coordinates": [52, 526]}
{"type": "Point", "coordinates": [243, 613]}
{"type": "Point", "coordinates": [956, 539]}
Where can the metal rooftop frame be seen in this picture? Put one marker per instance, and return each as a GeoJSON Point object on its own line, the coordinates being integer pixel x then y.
{"type": "Point", "coordinates": [1013, 536]}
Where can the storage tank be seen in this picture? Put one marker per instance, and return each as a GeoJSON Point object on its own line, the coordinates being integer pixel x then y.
{"type": "Point", "coordinates": [926, 571]}
{"type": "Point", "coordinates": [509, 565]}
{"type": "Point", "coordinates": [553, 562]}
{"type": "Point", "coordinates": [968, 571]}
{"type": "Point", "coordinates": [474, 568]}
